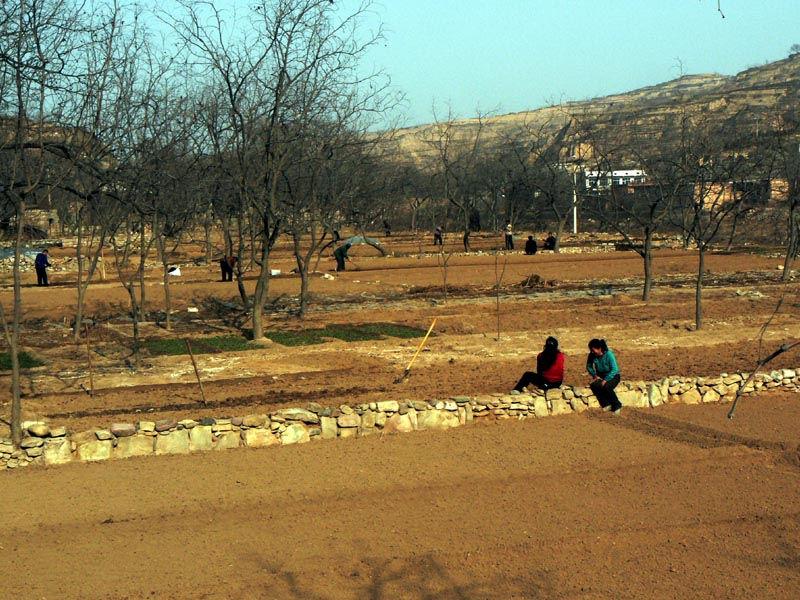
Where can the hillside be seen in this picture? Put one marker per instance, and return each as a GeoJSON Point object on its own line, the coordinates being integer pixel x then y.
{"type": "Point", "coordinates": [752, 98]}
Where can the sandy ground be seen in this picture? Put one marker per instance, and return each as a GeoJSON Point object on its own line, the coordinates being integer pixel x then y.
{"type": "Point", "coordinates": [670, 503]}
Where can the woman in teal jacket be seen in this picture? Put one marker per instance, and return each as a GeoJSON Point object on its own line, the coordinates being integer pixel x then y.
{"type": "Point", "coordinates": [602, 366]}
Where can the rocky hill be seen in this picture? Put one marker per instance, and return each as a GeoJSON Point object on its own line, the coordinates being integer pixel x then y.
{"type": "Point", "coordinates": [750, 100]}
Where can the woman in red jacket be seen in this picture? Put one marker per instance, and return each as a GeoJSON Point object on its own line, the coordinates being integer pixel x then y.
{"type": "Point", "coordinates": [549, 368]}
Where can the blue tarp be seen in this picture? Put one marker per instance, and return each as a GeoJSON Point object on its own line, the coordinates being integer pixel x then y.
{"type": "Point", "coordinates": [360, 239]}
{"type": "Point", "coordinates": [6, 253]}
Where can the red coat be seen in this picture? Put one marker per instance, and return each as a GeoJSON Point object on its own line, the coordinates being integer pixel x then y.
{"type": "Point", "coordinates": [555, 373]}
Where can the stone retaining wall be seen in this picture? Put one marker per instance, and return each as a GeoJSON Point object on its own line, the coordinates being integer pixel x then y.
{"type": "Point", "coordinates": [46, 445]}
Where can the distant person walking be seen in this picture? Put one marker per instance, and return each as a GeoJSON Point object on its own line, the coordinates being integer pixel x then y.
{"type": "Point", "coordinates": [41, 263]}
{"type": "Point", "coordinates": [437, 236]}
{"type": "Point", "coordinates": [509, 236]}
{"type": "Point", "coordinates": [531, 247]}
{"type": "Point", "coordinates": [602, 366]}
{"type": "Point", "coordinates": [549, 368]}
{"type": "Point", "coordinates": [226, 266]}
{"type": "Point", "coordinates": [340, 254]}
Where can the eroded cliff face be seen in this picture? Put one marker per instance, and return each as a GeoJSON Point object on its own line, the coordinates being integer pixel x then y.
{"type": "Point", "coordinates": [748, 104]}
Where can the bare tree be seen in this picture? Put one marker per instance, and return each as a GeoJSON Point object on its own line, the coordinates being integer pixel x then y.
{"type": "Point", "coordinates": [455, 153]}
{"type": "Point", "coordinates": [551, 172]}
{"type": "Point", "coordinates": [636, 212]}
{"type": "Point", "coordinates": [712, 174]}
{"type": "Point", "coordinates": [48, 81]}
{"type": "Point", "coordinates": [280, 68]}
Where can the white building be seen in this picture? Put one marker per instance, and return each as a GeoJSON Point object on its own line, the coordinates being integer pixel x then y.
{"type": "Point", "coordinates": [602, 180]}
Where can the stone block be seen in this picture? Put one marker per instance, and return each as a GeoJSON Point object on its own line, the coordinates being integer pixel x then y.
{"type": "Point", "coordinates": [200, 438]}
{"type": "Point", "coordinates": [228, 440]}
{"type": "Point", "coordinates": [576, 404]}
{"type": "Point", "coordinates": [388, 406]}
{"type": "Point", "coordinates": [121, 430]}
{"type": "Point", "coordinates": [298, 414]}
{"type": "Point", "coordinates": [94, 450]}
{"type": "Point", "coordinates": [633, 398]}
{"type": "Point", "coordinates": [348, 420]}
{"type": "Point", "coordinates": [295, 433]}
{"type": "Point", "coordinates": [368, 420]}
{"type": "Point", "coordinates": [398, 423]}
{"type": "Point", "coordinates": [540, 406]}
{"type": "Point", "coordinates": [57, 451]}
{"type": "Point", "coordinates": [174, 442]}
{"type": "Point", "coordinates": [137, 445]}
{"type": "Point", "coordinates": [654, 395]}
{"type": "Point", "coordinates": [691, 396]}
{"type": "Point", "coordinates": [560, 406]}
{"type": "Point", "coordinates": [259, 438]}
{"type": "Point", "coordinates": [328, 427]}
{"type": "Point", "coordinates": [437, 419]}
{"type": "Point", "coordinates": [39, 429]}
{"type": "Point", "coordinates": [254, 420]}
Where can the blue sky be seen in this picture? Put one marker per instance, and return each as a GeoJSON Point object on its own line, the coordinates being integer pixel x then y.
{"type": "Point", "coordinates": [502, 56]}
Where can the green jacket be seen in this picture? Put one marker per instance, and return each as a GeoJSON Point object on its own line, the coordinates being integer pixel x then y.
{"type": "Point", "coordinates": [604, 366]}
{"type": "Point", "coordinates": [341, 252]}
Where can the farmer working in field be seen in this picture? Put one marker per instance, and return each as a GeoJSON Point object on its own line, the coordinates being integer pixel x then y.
{"type": "Point", "coordinates": [41, 264]}
{"type": "Point", "coordinates": [340, 254]}
{"type": "Point", "coordinates": [226, 265]}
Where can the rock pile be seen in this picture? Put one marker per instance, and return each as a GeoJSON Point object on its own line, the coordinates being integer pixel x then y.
{"type": "Point", "coordinates": [46, 445]}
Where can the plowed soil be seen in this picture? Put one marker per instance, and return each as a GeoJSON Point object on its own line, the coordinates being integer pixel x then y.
{"type": "Point", "coordinates": [674, 502]}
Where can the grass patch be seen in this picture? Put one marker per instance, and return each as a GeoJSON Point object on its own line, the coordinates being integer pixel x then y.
{"type": "Point", "coordinates": [26, 361]}
{"type": "Point", "coordinates": [393, 330]}
{"type": "Point", "coordinates": [304, 337]}
{"type": "Point", "coordinates": [309, 337]}
{"type": "Point", "coordinates": [212, 345]}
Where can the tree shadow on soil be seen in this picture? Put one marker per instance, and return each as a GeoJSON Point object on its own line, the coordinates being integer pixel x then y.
{"type": "Point", "coordinates": [426, 578]}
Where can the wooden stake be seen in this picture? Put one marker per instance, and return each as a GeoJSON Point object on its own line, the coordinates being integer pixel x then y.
{"type": "Point", "coordinates": [196, 370]}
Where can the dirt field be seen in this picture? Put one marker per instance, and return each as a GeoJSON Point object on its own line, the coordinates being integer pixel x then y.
{"type": "Point", "coordinates": [676, 502]}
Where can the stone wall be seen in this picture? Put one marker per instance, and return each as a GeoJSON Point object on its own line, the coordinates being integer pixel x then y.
{"type": "Point", "coordinates": [46, 445]}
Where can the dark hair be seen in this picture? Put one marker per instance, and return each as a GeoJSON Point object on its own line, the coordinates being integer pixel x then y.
{"type": "Point", "coordinates": [549, 353]}
{"type": "Point", "coordinates": [595, 343]}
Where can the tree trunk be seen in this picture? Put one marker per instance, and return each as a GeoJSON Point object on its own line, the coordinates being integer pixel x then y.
{"type": "Point", "coordinates": [167, 298]}
{"type": "Point", "coordinates": [793, 242]}
{"type": "Point", "coordinates": [698, 293]}
{"type": "Point", "coordinates": [13, 335]}
{"type": "Point", "coordinates": [647, 256]}
{"type": "Point", "coordinates": [261, 292]}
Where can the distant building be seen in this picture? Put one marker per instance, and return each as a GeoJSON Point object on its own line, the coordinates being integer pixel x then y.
{"type": "Point", "coordinates": [603, 180]}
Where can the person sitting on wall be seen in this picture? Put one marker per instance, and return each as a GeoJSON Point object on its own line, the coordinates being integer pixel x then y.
{"type": "Point", "coordinates": [549, 368]}
{"type": "Point", "coordinates": [531, 247]}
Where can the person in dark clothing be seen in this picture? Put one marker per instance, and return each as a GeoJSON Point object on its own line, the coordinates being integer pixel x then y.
{"type": "Point", "coordinates": [531, 247]}
{"type": "Point", "coordinates": [549, 242]}
{"type": "Point", "coordinates": [437, 236]}
{"type": "Point", "coordinates": [226, 265]}
{"type": "Point", "coordinates": [549, 368]}
{"type": "Point", "coordinates": [387, 229]}
{"type": "Point", "coordinates": [602, 366]}
{"type": "Point", "coordinates": [41, 263]}
{"type": "Point", "coordinates": [340, 254]}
